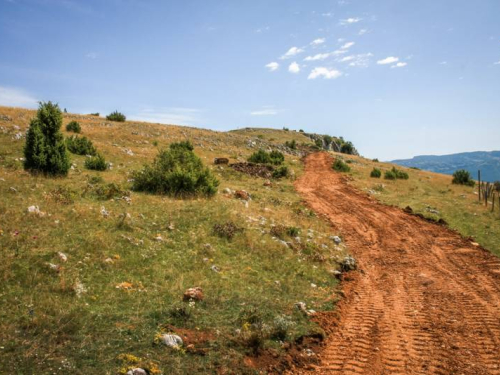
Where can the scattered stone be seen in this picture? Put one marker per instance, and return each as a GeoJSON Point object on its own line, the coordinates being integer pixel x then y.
{"type": "Point", "coordinates": [215, 269]}
{"type": "Point", "coordinates": [348, 264]}
{"type": "Point", "coordinates": [158, 238]}
{"type": "Point", "coordinates": [221, 161]}
{"type": "Point", "coordinates": [125, 285]}
{"type": "Point", "coordinates": [5, 118]}
{"type": "Point", "coordinates": [336, 239]}
{"type": "Point", "coordinates": [301, 306]}
{"type": "Point", "coordinates": [104, 212]}
{"type": "Point", "coordinates": [193, 294]}
{"type": "Point", "coordinates": [137, 371]}
{"type": "Point", "coordinates": [128, 151]}
{"type": "Point", "coordinates": [13, 189]}
{"type": "Point", "coordinates": [18, 136]}
{"type": "Point", "coordinates": [309, 352]}
{"type": "Point", "coordinates": [313, 285]}
{"type": "Point", "coordinates": [228, 191]}
{"type": "Point", "coordinates": [242, 194]}
{"type": "Point", "coordinates": [268, 183]}
{"type": "Point", "coordinates": [109, 261]}
{"type": "Point", "coordinates": [79, 288]}
{"type": "Point", "coordinates": [62, 256]}
{"type": "Point", "coordinates": [172, 341]}
{"type": "Point", "coordinates": [36, 211]}
{"type": "Point", "coordinates": [54, 267]}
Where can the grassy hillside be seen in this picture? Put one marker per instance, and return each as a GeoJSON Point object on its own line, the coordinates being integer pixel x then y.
{"type": "Point", "coordinates": [274, 135]}
{"type": "Point", "coordinates": [434, 196]}
{"type": "Point", "coordinates": [131, 256]}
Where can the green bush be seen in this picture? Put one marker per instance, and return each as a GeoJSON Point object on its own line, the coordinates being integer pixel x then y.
{"type": "Point", "coordinates": [95, 114]}
{"type": "Point", "coordinates": [277, 157]}
{"type": "Point", "coordinates": [45, 150]}
{"type": "Point", "coordinates": [389, 175]}
{"type": "Point", "coordinates": [96, 163]}
{"type": "Point", "coordinates": [328, 139]}
{"type": "Point", "coordinates": [116, 116]}
{"type": "Point", "coordinates": [184, 145]}
{"type": "Point", "coordinates": [176, 171]}
{"type": "Point", "coordinates": [347, 148]}
{"type": "Point", "coordinates": [262, 157]}
{"type": "Point", "coordinates": [375, 160]}
{"type": "Point", "coordinates": [395, 173]}
{"type": "Point", "coordinates": [376, 173]}
{"type": "Point", "coordinates": [319, 143]}
{"type": "Point", "coordinates": [340, 166]}
{"type": "Point", "coordinates": [80, 145]}
{"type": "Point", "coordinates": [463, 177]}
{"type": "Point", "coordinates": [280, 172]}
{"type": "Point", "coordinates": [291, 144]}
{"type": "Point", "coordinates": [74, 127]}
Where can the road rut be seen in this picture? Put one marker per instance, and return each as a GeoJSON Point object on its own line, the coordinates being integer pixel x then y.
{"type": "Point", "coordinates": [424, 300]}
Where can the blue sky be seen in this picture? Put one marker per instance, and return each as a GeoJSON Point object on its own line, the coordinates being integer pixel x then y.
{"type": "Point", "coordinates": [397, 77]}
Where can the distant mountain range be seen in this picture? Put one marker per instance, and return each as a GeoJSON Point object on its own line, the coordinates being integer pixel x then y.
{"type": "Point", "coordinates": [487, 162]}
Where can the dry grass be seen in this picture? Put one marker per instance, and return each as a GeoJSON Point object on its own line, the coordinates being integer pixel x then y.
{"type": "Point", "coordinates": [75, 320]}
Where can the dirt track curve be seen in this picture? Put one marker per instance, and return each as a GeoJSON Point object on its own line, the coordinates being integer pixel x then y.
{"type": "Point", "coordinates": [424, 301]}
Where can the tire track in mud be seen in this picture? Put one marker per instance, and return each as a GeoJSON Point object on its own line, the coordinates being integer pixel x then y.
{"type": "Point", "coordinates": [424, 300]}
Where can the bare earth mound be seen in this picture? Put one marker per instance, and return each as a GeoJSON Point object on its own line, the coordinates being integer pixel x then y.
{"type": "Point", "coordinates": [424, 301]}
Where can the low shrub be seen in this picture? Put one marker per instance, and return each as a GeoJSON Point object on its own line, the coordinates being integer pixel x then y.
{"type": "Point", "coordinates": [389, 175]}
{"type": "Point", "coordinates": [347, 148]}
{"type": "Point", "coordinates": [319, 143]}
{"type": "Point", "coordinates": [96, 163]}
{"type": "Point", "coordinates": [97, 114]}
{"type": "Point", "coordinates": [106, 192]}
{"type": "Point", "coordinates": [340, 166]}
{"type": "Point", "coordinates": [263, 157]}
{"type": "Point", "coordinates": [80, 146]}
{"type": "Point", "coordinates": [281, 172]}
{"type": "Point", "coordinates": [463, 177]}
{"type": "Point", "coordinates": [278, 231]}
{"type": "Point", "coordinates": [293, 231]}
{"type": "Point", "coordinates": [226, 230]}
{"type": "Point", "coordinates": [116, 116]}
{"type": "Point", "coordinates": [375, 160]}
{"type": "Point", "coordinates": [74, 127]}
{"type": "Point", "coordinates": [395, 173]}
{"type": "Point", "coordinates": [376, 173]}
{"type": "Point", "coordinates": [176, 171]}
{"type": "Point", "coordinates": [291, 144]}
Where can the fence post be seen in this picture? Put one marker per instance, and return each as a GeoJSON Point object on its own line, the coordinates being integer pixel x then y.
{"type": "Point", "coordinates": [479, 183]}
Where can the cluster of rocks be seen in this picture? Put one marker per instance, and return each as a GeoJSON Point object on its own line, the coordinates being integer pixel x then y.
{"type": "Point", "coordinates": [252, 169]}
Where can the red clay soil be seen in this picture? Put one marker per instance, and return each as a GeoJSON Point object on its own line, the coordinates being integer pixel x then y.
{"type": "Point", "coordinates": [424, 300]}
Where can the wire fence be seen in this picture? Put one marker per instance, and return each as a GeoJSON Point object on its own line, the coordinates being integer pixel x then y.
{"type": "Point", "coordinates": [488, 193]}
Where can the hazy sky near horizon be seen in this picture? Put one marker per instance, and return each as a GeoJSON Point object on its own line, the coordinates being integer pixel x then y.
{"type": "Point", "coordinates": [397, 77]}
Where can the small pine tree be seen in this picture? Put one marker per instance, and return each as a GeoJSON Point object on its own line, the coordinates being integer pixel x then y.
{"type": "Point", "coordinates": [45, 150]}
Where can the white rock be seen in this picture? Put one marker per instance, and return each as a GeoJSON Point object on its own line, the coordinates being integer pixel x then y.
{"type": "Point", "coordinates": [137, 371]}
{"type": "Point", "coordinates": [172, 341]}
{"type": "Point", "coordinates": [336, 239]}
{"type": "Point", "coordinates": [62, 256]}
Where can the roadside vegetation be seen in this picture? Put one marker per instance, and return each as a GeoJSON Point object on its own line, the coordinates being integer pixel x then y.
{"type": "Point", "coordinates": [95, 267]}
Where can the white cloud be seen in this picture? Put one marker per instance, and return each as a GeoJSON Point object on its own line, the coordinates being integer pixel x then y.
{"type": "Point", "coordinates": [362, 60]}
{"type": "Point", "coordinates": [12, 97]}
{"type": "Point", "coordinates": [350, 21]}
{"type": "Point", "coordinates": [294, 68]}
{"type": "Point", "coordinates": [363, 31]}
{"type": "Point", "coordinates": [443, 63]}
{"type": "Point", "coordinates": [262, 29]}
{"type": "Point", "coordinates": [177, 116]}
{"type": "Point", "coordinates": [319, 56]}
{"type": "Point", "coordinates": [497, 63]}
{"type": "Point", "coordinates": [329, 14]}
{"type": "Point", "coordinates": [347, 45]}
{"type": "Point", "coordinates": [273, 66]}
{"type": "Point", "coordinates": [91, 55]}
{"type": "Point", "coordinates": [324, 56]}
{"type": "Point", "coordinates": [318, 41]}
{"type": "Point", "coordinates": [347, 58]}
{"type": "Point", "coordinates": [325, 73]}
{"type": "Point", "coordinates": [292, 52]}
{"type": "Point", "coordinates": [388, 60]}
{"type": "Point", "coordinates": [265, 111]}
{"type": "Point", "coordinates": [399, 65]}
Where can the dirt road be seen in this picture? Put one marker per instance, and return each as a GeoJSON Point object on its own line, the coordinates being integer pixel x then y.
{"type": "Point", "coordinates": [424, 301]}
